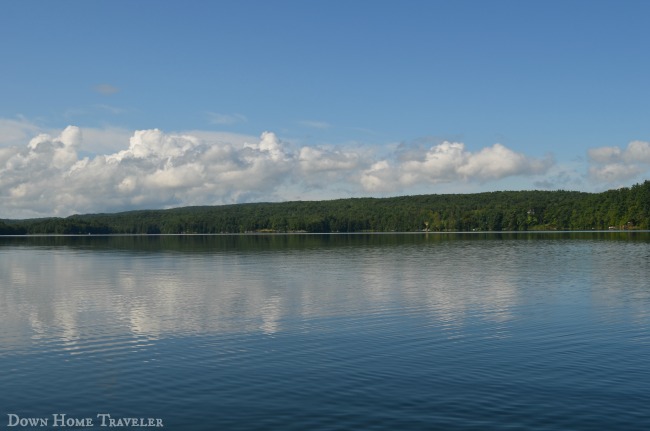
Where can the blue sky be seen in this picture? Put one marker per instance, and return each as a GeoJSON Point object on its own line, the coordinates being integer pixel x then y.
{"type": "Point", "coordinates": [169, 103]}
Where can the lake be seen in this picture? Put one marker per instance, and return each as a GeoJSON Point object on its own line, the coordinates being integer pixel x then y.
{"type": "Point", "coordinates": [477, 331]}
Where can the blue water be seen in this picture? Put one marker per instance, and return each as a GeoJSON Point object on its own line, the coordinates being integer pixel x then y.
{"type": "Point", "coordinates": [334, 332]}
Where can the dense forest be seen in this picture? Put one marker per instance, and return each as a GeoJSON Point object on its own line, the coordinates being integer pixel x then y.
{"type": "Point", "coordinates": [625, 208]}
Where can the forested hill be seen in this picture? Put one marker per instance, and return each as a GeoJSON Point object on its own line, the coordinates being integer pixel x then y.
{"type": "Point", "coordinates": [625, 208]}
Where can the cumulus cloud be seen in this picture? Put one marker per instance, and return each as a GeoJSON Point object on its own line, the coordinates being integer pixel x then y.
{"type": "Point", "coordinates": [56, 174]}
{"type": "Point", "coordinates": [105, 140]}
{"type": "Point", "coordinates": [48, 177]}
{"type": "Point", "coordinates": [322, 167]}
{"type": "Point", "coordinates": [450, 161]}
{"type": "Point", "coordinates": [612, 165]}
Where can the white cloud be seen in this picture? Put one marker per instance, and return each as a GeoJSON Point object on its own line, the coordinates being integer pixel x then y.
{"type": "Point", "coordinates": [612, 173]}
{"type": "Point", "coordinates": [637, 152]}
{"type": "Point", "coordinates": [153, 144]}
{"type": "Point", "coordinates": [320, 159]}
{"type": "Point", "coordinates": [613, 165]}
{"type": "Point", "coordinates": [497, 162]}
{"type": "Point", "coordinates": [15, 132]}
{"type": "Point", "coordinates": [324, 167]}
{"type": "Point", "coordinates": [48, 177]}
{"type": "Point", "coordinates": [380, 177]}
{"type": "Point", "coordinates": [64, 173]}
{"type": "Point", "coordinates": [604, 154]}
{"type": "Point", "coordinates": [104, 140]}
{"type": "Point", "coordinates": [450, 161]}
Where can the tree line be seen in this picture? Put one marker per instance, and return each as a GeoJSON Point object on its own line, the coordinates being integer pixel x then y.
{"type": "Point", "coordinates": [624, 208]}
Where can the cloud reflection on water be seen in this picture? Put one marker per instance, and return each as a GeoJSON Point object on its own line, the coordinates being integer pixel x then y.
{"type": "Point", "coordinates": [80, 297]}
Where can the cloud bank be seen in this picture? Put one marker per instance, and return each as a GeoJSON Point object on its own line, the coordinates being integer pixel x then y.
{"type": "Point", "coordinates": [447, 162]}
{"type": "Point", "coordinates": [48, 176]}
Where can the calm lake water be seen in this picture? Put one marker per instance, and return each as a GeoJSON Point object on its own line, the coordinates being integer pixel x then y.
{"type": "Point", "coordinates": [537, 331]}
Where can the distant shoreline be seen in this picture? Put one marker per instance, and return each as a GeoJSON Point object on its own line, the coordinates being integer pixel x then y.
{"type": "Point", "coordinates": [153, 235]}
{"type": "Point", "coordinates": [506, 211]}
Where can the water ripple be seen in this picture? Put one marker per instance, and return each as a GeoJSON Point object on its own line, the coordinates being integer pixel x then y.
{"type": "Point", "coordinates": [449, 334]}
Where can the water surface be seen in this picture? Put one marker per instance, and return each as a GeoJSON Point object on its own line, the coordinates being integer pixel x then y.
{"type": "Point", "coordinates": [539, 331]}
